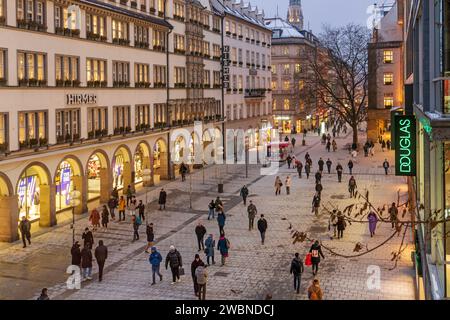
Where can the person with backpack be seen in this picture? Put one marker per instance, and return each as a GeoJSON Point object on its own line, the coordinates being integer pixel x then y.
{"type": "Point", "coordinates": [244, 194]}
{"type": "Point", "coordinates": [329, 163]}
{"type": "Point", "coordinates": [350, 166]}
{"type": "Point", "coordinates": [112, 205]}
{"type": "Point", "coordinates": [201, 276]}
{"type": "Point", "coordinates": [173, 259]}
{"type": "Point", "coordinates": [211, 209]}
{"type": "Point", "coordinates": [162, 199]}
{"type": "Point", "coordinates": [262, 227]}
{"type": "Point", "coordinates": [101, 254]}
{"type": "Point", "coordinates": [141, 210]}
{"type": "Point", "coordinates": [341, 224]}
{"type": "Point", "coordinates": [386, 166]}
{"type": "Point", "coordinates": [316, 253]}
{"type": "Point", "coordinates": [297, 270]}
{"type": "Point", "coordinates": [136, 223]}
{"type": "Point", "coordinates": [352, 187]}
{"type": "Point", "coordinates": [314, 291]}
{"type": "Point", "coordinates": [122, 206]}
{"type": "Point", "coordinates": [223, 245]}
{"type": "Point", "coordinates": [105, 217]}
{"type": "Point", "coordinates": [25, 231]}
{"type": "Point", "coordinates": [339, 171]}
{"type": "Point", "coordinates": [221, 220]}
{"type": "Point", "coordinates": [155, 260]}
{"type": "Point", "coordinates": [299, 169]}
{"type": "Point", "coordinates": [150, 236]}
{"type": "Point", "coordinates": [200, 232]}
{"type": "Point", "coordinates": [252, 211]}
{"type": "Point", "coordinates": [194, 265]}
{"type": "Point", "coordinates": [210, 245]}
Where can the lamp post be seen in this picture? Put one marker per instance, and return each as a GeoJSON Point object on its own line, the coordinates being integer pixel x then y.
{"type": "Point", "coordinates": [74, 202]}
{"type": "Point", "coordinates": [246, 155]}
{"type": "Point", "coordinates": [146, 178]}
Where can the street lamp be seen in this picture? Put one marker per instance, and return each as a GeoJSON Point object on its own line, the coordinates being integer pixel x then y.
{"type": "Point", "coordinates": [246, 155]}
{"type": "Point", "coordinates": [146, 178]}
{"type": "Point", "coordinates": [74, 202]}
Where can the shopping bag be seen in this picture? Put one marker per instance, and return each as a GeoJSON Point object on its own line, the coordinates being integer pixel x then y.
{"type": "Point", "coordinates": [308, 261]}
{"type": "Point", "coordinates": [181, 271]}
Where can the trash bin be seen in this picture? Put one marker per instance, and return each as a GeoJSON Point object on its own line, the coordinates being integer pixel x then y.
{"type": "Point", "coordinates": [220, 188]}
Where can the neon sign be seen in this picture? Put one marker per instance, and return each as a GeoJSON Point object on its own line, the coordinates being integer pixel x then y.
{"type": "Point", "coordinates": [405, 141]}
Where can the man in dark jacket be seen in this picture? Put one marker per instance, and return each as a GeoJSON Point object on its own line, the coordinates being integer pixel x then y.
{"type": "Point", "coordinates": [316, 204]}
{"type": "Point", "coordinates": [76, 254]}
{"type": "Point", "coordinates": [200, 231]}
{"type": "Point", "coordinates": [299, 169]}
{"type": "Point", "coordinates": [329, 163]}
{"type": "Point", "coordinates": [183, 170]}
{"type": "Point", "coordinates": [141, 210]}
{"type": "Point", "coordinates": [319, 189]}
{"type": "Point", "coordinates": [221, 220]}
{"type": "Point", "coordinates": [289, 161]}
{"type": "Point", "coordinates": [386, 166]}
{"type": "Point", "coordinates": [112, 205]}
{"type": "Point", "coordinates": [155, 261]}
{"type": "Point", "coordinates": [244, 194]}
{"type": "Point", "coordinates": [162, 199]}
{"type": "Point", "coordinates": [252, 212]}
{"type": "Point", "coordinates": [44, 295]}
{"type": "Point", "coordinates": [262, 227]}
{"type": "Point", "coordinates": [352, 186]}
{"type": "Point", "coordinates": [320, 163]}
{"type": "Point", "coordinates": [393, 215]}
{"type": "Point", "coordinates": [86, 262]}
{"type": "Point", "coordinates": [318, 177]}
{"type": "Point", "coordinates": [196, 263]}
{"type": "Point", "coordinates": [101, 254]}
{"type": "Point", "coordinates": [88, 238]}
{"type": "Point", "coordinates": [25, 230]}
{"type": "Point", "coordinates": [316, 253]}
{"type": "Point", "coordinates": [173, 259]}
{"type": "Point", "coordinates": [297, 270]}
{"type": "Point", "coordinates": [339, 171]}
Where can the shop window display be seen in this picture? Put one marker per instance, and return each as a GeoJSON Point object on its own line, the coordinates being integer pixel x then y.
{"type": "Point", "coordinates": [93, 175]}
{"type": "Point", "coordinates": [64, 185]}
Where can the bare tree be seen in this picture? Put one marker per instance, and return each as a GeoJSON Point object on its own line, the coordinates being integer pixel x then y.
{"type": "Point", "coordinates": [339, 73]}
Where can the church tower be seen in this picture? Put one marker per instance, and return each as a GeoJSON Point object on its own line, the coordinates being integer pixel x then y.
{"type": "Point", "coordinates": [295, 14]}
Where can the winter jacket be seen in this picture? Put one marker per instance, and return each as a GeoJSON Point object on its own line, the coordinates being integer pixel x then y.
{"type": "Point", "coordinates": [201, 275]}
{"type": "Point", "coordinates": [350, 164]}
{"type": "Point", "coordinates": [194, 266]}
{"type": "Point", "coordinates": [155, 259]}
{"type": "Point", "coordinates": [210, 244]}
{"type": "Point", "coordinates": [339, 168]}
{"type": "Point", "coordinates": [174, 259]}
{"type": "Point", "coordinates": [341, 224]}
{"type": "Point", "coordinates": [252, 211]}
{"type": "Point", "coordinates": [112, 203]}
{"type": "Point", "coordinates": [393, 213]}
{"type": "Point", "coordinates": [352, 183]}
{"type": "Point", "coordinates": [200, 231]}
{"type": "Point", "coordinates": [86, 258]}
{"type": "Point", "coordinates": [105, 216]}
{"type": "Point", "coordinates": [288, 182]}
{"type": "Point", "coordinates": [101, 253]}
{"type": "Point", "coordinates": [319, 187]}
{"type": "Point", "coordinates": [221, 219]}
{"type": "Point", "coordinates": [315, 293]}
{"type": "Point", "coordinates": [262, 225]}
{"type": "Point", "coordinates": [244, 192]}
{"type": "Point", "coordinates": [76, 255]}
{"type": "Point", "coordinates": [141, 208]}
{"type": "Point", "coordinates": [297, 266]}
{"type": "Point", "coordinates": [122, 205]}
{"type": "Point", "coordinates": [316, 252]}
{"type": "Point", "coordinates": [386, 165]}
{"type": "Point", "coordinates": [222, 246]}
{"type": "Point", "coordinates": [25, 226]}
{"type": "Point", "coordinates": [150, 234]}
{"type": "Point", "coordinates": [94, 217]}
{"type": "Point", "coordinates": [162, 197]}
{"type": "Point", "coordinates": [88, 238]}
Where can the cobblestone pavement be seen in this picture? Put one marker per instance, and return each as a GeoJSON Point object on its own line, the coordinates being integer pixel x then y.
{"type": "Point", "coordinates": [252, 270]}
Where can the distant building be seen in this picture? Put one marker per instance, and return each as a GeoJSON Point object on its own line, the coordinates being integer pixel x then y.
{"type": "Point", "coordinates": [295, 14]}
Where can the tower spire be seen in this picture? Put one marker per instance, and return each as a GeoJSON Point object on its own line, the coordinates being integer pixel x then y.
{"type": "Point", "coordinates": [295, 14]}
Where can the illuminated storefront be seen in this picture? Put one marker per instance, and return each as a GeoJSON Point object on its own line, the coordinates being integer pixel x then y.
{"type": "Point", "coordinates": [64, 185]}
{"type": "Point", "coordinates": [93, 175]}
{"type": "Point", "coordinates": [157, 155]}
{"type": "Point", "coordinates": [28, 191]}
{"type": "Point", "coordinates": [139, 164]}
{"type": "Point", "coordinates": [118, 166]}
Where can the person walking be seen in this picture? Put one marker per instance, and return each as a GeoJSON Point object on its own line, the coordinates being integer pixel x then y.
{"type": "Point", "coordinates": [44, 295]}
{"type": "Point", "coordinates": [321, 164]}
{"type": "Point", "coordinates": [141, 210]}
{"type": "Point", "coordinates": [132, 207]}
{"type": "Point", "coordinates": [332, 222]}
{"type": "Point", "coordinates": [76, 254]}
{"type": "Point", "coordinates": [318, 177]}
{"type": "Point", "coordinates": [316, 253]}
{"type": "Point", "coordinates": [262, 227]}
{"type": "Point", "coordinates": [307, 169]}
{"type": "Point", "coordinates": [373, 219]}
{"type": "Point", "coordinates": [86, 262]}
{"type": "Point", "coordinates": [218, 205]}
{"type": "Point", "coordinates": [316, 204]}
{"type": "Point", "coordinates": [112, 205]}
{"type": "Point", "coordinates": [289, 161]}
{"type": "Point", "coordinates": [88, 238]}
{"type": "Point", "coordinates": [183, 170]}
{"type": "Point", "coordinates": [334, 144]}
{"type": "Point", "coordinates": [211, 209]}
{"type": "Point", "coordinates": [194, 265]}
{"type": "Point", "coordinates": [25, 231]}
{"type": "Point", "coordinates": [352, 186]}
{"type": "Point", "coordinates": [221, 220]}
{"type": "Point", "coordinates": [252, 211]}
{"type": "Point", "coordinates": [341, 224]}
{"type": "Point", "coordinates": [288, 185]}
{"type": "Point", "coordinates": [297, 270]}
{"type": "Point", "coordinates": [393, 215]}
{"type": "Point", "coordinates": [299, 169]}
{"type": "Point", "coordinates": [155, 260]}
{"type": "Point", "coordinates": [101, 254]}
{"type": "Point", "coordinates": [314, 291]}
{"type": "Point", "coordinates": [122, 206]}
{"type": "Point", "coordinates": [200, 232]}
{"type": "Point", "coordinates": [173, 259]}
{"type": "Point", "coordinates": [136, 224]}
{"type": "Point", "coordinates": [350, 166]}
{"type": "Point", "coordinates": [115, 193]}
{"type": "Point", "coordinates": [293, 141]}
{"type": "Point", "coordinates": [94, 218]}
{"type": "Point", "coordinates": [386, 166]}
{"type": "Point", "coordinates": [383, 145]}
{"type": "Point", "coordinates": [319, 189]}
{"type": "Point", "coordinates": [278, 185]}
{"type": "Point", "coordinates": [329, 163]}
{"type": "Point", "coordinates": [388, 144]}
{"type": "Point", "coordinates": [244, 194]}
{"type": "Point", "coordinates": [339, 171]}
{"type": "Point", "coordinates": [105, 217]}
{"type": "Point", "coordinates": [162, 199]}
{"type": "Point", "coordinates": [129, 194]}
{"type": "Point", "coordinates": [328, 147]}
{"type": "Point", "coordinates": [150, 236]}
{"type": "Point", "coordinates": [201, 277]}
{"type": "Point", "coordinates": [210, 245]}
{"type": "Point", "coordinates": [223, 245]}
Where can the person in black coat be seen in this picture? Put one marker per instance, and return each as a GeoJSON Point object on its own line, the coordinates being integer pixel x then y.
{"type": "Point", "coordinates": [200, 231]}
{"type": "Point", "coordinates": [262, 227]}
{"type": "Point", "coordinates": [150, 236]}
{"type": "Point", "coordinates": [173, 259]}
{"type": "Point", "coordinates": [297, 270]}
{"type": "Point", "coordinates": [76, 254]}
{"type": "Point", "coordinates": [162, 199]}
{"type": "Point", "coordinates": [196, 263]}
{"type": "Point", "coordinates": [88, 238]}
{"type": "Point", "coordinates": [316, 253]}
{"type": "Point", "coordinates": [101, 254]}
{"type": "Point", "coordinates": [86, 262]}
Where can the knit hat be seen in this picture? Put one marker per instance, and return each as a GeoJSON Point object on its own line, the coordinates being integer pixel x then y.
{"type": "Point", "coordinates": [172, 248]}
{"type": "Point", "coordinates": [153, 248]}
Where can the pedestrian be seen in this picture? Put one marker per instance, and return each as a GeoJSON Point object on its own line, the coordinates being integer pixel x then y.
{"type": "Point", "coordinates": [328, 147]}
{"type": "Point", "coordinates": [386, 166]}
{"type": "Point", "coordinates": [341, 224]}
{"type": "Point", "coordinates": [252, 211]}
{"type": "Point", "coordinates": [299, 166]}
{"type": "Point", "coordinates": [101, 254]}
{"type": "Point", "coordinates": [316, 253]}
{"type": "Point", "coordinates": [297, 270]}
{"type": "Point", "coordinates": [201, 277]}
{"type": "Point", "coordinates": [129, 194]}
{"type": "Point", "coordinates": [122, 206]}
{"type": "Point", "coordinates": [94, 218]}
{"type": "Point", "coordinates": [173, 259]}
{"type": "Point", "coordinates": [383, 145]}
{"type": "Point", "coordinates": [278, 185]}
{"type": "Point", "coordinates": [393, 215]}
{"type": "Point", "coordinates": [150, 236]}
{"type": "Point", "coordinates": [88, 238]}
{"type": "Point", "coordinates": [115, 193]}
{"type": "Point", "coordinates": [210, 245]}
{"type": "Point", "coordinates": [221, 220]}
{"type": "Point", "coordinates": [307, 169]}
{"type": "Point", "coordinates": [373, 219]}
{"type": "Point", "coordinates": [223, 245]}
{"type": "Point", "coordinates": [200, 232]}
{"type": "Point", "coordinates": [318, 177]}
{"type": "Point", "coordinates": [132, 208]}
{"type": "Point", "coordinates": [352, 186]}
{"type": "Point", "coordinates": [162, 199]}
{"type": "Point", "coordinates": [86, 262]}
{"type": "Point", "coordinates": [339, 171]}
{"type": "Point", "coordinates": [350, 166]}
{"type": "Point", "coordinates": [332, 222]}
{"type": "Point", "coordinates": [293, 142]}
{"type": "Point", "coordinates": [155, 260]}
{"type": "Point", "coordinates": [319, 189]}
{"type": "Point", "coordinates": [289, 161]}
{"type": "Point", "coordinates": [76, 254]}
{"type": "Point", "coordinates": [136, 224]}
{"type": "Point", "coordinates": [316, 204]}
{"type": "Point", "coordinates": [141, 210]}
{"type": "Point", "coordinates": [44, 295]}
{"type": "Point", "coordinates": [25, 230]}
{"type": "Point", "coordinates": [244, 194]}
{"type": "Point", "coordinates": [307, 156]}
{"type": "Point", "coordinates": [112, 205]}
{"type": "Point", "coordinates": [288, 185]}
{"type": "Point", "coordinates": [320, 163]}
{"type": "Point", "coordinates": [388, 144]}
{"type": "Point", "coordinates": [262, 227]}
{"type": "Point", "coordinates": [218, 205]}
{"type": "Point", "coordinates": [196, 263]}
{"type": "Point", "coordinates": [329, 163]}
{"type": "Point", "coordinates": [286, 139]}
{"type": "Point", "coordinates": [372, 149]}
{"type": "Point", "coordinates": [105, 217]}
{"type": "Point", "coordinates": [211, 209]}
{"type": "Point", "coordinates": [314, 291]}
{"type": "Point", "coordinates": [183, 170]}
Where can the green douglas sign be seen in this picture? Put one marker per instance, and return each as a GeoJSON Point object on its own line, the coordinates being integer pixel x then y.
{"type": "Point", "coordinates": [405, 145]}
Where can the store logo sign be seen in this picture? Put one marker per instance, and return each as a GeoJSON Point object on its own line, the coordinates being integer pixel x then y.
{"type": "Point", "coordinates": [72, 99]}
{"type": "Point", "coordinates": [405, 153]}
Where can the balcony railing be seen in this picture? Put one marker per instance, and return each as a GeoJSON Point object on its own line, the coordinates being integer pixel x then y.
{"type": "Point", "coordinates": [255, 93]}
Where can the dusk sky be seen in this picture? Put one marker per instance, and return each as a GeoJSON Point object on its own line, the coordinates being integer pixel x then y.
{"type": "Point", "coordinates": [317, 12]}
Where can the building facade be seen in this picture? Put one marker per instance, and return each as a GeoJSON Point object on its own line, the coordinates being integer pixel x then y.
{"type": "Point", "coordinates": [92, 94]}
{"type": "Point", "coordinates": [385, 72]}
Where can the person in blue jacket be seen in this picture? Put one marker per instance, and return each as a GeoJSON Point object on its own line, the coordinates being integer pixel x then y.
{"type": "Point", "coordinates": [221, 220]}
{"type": "Point", "coordinates": [155, 260]}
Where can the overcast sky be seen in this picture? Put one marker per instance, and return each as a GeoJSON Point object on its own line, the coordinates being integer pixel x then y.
{"type": "Point", "coordinates": [317, 12]}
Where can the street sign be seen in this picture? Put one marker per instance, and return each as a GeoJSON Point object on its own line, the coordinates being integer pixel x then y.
{"type": "Point", "coordinates": [405, 141]}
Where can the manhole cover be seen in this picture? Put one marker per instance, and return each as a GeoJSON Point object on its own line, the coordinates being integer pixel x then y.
{"type": "Point", "coordinates": [339, 196]}
{"type": "Point", "coordinates": [221, 274]}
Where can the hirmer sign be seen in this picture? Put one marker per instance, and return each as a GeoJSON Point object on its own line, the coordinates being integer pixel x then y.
{"type": "Point", "coordinates": [405, 151]}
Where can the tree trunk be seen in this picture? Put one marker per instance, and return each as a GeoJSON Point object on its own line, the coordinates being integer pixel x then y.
{"type": "Point", "coordinates": [355, 135]}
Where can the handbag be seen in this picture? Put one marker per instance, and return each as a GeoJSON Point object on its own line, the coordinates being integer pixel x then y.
{"type": "Point", "coordinates": [308, 261]}
{"type": "Point", "coordinates": [181, 271]}
{"type": "Point", "coordinates": [206, 251]}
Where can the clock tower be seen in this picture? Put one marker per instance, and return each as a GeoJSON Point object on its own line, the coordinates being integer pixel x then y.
{"type": "Point", "coordinates": [295, 14]}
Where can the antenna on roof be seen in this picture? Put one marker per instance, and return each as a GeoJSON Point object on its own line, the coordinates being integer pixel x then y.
{"type": "Point", "coordinates": [277, 13]}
